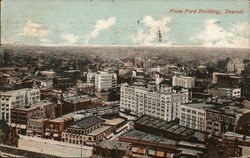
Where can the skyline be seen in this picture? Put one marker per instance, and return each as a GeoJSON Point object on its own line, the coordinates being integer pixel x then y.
{"type": "Point", "coordinates": [149, 24]}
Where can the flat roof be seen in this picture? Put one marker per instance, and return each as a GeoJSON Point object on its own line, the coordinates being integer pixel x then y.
{"type": "Point", "coordinates": [98, 130]}
{"type": "Point", "coordinates": [77, 99]}
{"type": "Point", "coordinates": [114, 121]}
{"type": "Point", "coordinates": [114, 144]}
{"type": "Point", "coordinates": [166, 126]}
{"type": "Point", "coordinates": [34, 105]}
{"type": "Point", "coordinates": [142, 136]}
{"type": "Point", "coordinates": [73, 115]}
{"type": "Point", "coordinates": [88, 122]}
{"type": "Point", "coordinates": [233, 110]}
{"type": "Point", "coordinates": [16, 91]}
{"type": "Point", "coordinates": [199, 105]}
{"type": "Point", "coordinates": [187, 151]}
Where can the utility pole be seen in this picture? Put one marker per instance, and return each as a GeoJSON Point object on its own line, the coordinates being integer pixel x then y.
{"type": "Point", "coordinates": [81, 150]}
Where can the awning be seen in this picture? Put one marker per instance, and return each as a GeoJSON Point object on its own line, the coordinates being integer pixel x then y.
{"type": "Point", "coordinates": [170, 155]}
{"type": "Point", "coordinates": [13, 125]}
{"type": "Point", "coordinates": [47, 134]}
{"type": "Point", "coordinates": [134, 149]}
{"type": "Point", "coordinates": [22, 126]}
{"type": "Point", "coordinates": [29, 131]}
{"type": "Point", "coordinates": [160, 153]}
{"type": "Point", "coordinates": [141, 150]}
{"type": "Point", "coordinates": [151, 152]}
{"type": "Point", "coordinates": [55, 135]}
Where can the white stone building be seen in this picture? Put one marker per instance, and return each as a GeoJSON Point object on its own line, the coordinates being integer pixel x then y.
{"type": "Point", "coordinates": [194, 115]}
{"type": "Point", "coordinates": [235, 65]}
{"type": "Point", "coordinates": [183, 81]}
{"type": "Point", "coordinates": [160, 104]}
{"type": "Point", "coordinates": [102, 80]}
{"type": "Point", "coordinates": [17, 98]}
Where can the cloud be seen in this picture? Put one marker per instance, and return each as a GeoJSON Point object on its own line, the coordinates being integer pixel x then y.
{"type": "Point", "coordinates": [242, 29]}
{"type": "Point", "coordinates": [70, 38]}
{"type": "Point", "coordinates": [100, 25]}
{"type": "Point", "coordinates": [214, 35]}
{"type": "Point", "coordinates": [44, 40]}
{"type": "Point", "coordinates": [32, 29]}
{"type": "Point", "coordinates": [148, 38]}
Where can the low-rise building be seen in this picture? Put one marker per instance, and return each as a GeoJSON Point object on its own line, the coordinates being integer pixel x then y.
{"type": "Point", "coordinates": [235, 145]}
{"type": "Point", "coordinates": [88, 131]}
{"type": "Point", "coordinates": [76, 103]}
{"type": "Point", "coordinates": [225, 92]}
{"type": "Point", "coordinates": [168, 130]}
{"type": "Point", "coordinates": [112, 148]}
{"type": "Point", "coordinates": [35, 126]}
{"type": "Point", "coordinates": [21, 115]}
{"type": "Point", "coordinates": [53, 128]}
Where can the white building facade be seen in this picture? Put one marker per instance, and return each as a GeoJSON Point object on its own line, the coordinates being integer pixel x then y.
{"type": "Point", "coordinates": [235, 65]}
{"type": "Point", "coordinates": [17, 98]}
{"type": "Point", "coordinates": [159, 104]}
{"type": "Point", "coordinates": [233, 92]}
{"type": "Point", "coordinates": [183, 81]}
{"type": "Point", "coordinates": [102, 80]}
{"type": "Point", "coordinates": [194, 116]}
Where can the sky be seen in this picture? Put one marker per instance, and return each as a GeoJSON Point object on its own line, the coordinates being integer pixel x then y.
{"type": "Point", "coordinates": [126, 22]}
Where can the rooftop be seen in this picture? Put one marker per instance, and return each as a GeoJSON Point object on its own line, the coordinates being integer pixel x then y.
{"type": "Point", "coordinates": [114, 121]}
{"type": "Point", "coordinates": [199, 105]}
{"type": "Point", "coordinates": [142, 136]}
{"type": "Point", "coordinates": [98, 130]}
{"type": "Point", "coordinates": [88, 122]}
{"type": "Point", "coordinates": [233, 135]}
{"type": "Point", "coordinates": [13, 92]}
{"type": "Point", "coordinates": [77, 99]}
{"type": "Point", "coordinates": [73, 115]}
{"type": "Point", "coordinates": [170, 127]}
{"type": "Point", "coordinates": [114, 144]}
{"type": "Point", "coordinates": [232, 110]}
{"type": "Point", "coordinates": [34, 105]}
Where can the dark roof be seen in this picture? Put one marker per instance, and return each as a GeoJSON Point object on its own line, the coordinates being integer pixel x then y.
{"type": "Point", "coordinates": [88, 122]}
{"type": "Point", "coordinates": [171, 127]}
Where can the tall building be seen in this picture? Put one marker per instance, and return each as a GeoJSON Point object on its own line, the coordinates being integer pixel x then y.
{"type": "Point", "coordinates": [235, 65]}
{"type": "Point", "coordinates": [226, 80]}
{"type": "Point", "coordinates": [91, 78]}
{"type": "Point", "coordinates": [103, 81]}
{"type": "Point", "coordinates": [220, 120]}
{"type": "Point", "coordinates": [62, 83]}
{"type": "Point", "coordinates": [183, 81]}
{"type": "Point", "coordinates": [17, 98]}
{"type": "Point", "coordinates": [194, 115]}
{"type": "Point", "coordinates": [160, 104]}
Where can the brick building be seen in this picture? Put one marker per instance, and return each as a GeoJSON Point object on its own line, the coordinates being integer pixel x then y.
{"type": "Point", "coordinates": [88, 131]}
